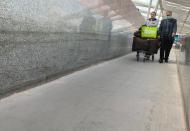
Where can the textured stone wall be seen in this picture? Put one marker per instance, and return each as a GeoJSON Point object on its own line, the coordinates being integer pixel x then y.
{"type": "Point", "coordinates": [183, 59]}
{"type": "Point", "coordinates": [49, 16]}
{"type": "Point", "coordinates": [43, 38]}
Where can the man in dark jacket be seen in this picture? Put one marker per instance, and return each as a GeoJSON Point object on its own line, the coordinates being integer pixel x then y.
{"type": "Point", "coordinates": [167, 31]}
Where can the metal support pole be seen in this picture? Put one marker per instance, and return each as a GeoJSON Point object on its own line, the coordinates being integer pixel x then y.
{"type": "Point", "coordinates": [150, 5]}
{"type": "Point", "coordinates": [157, 4]}
{"type": "Point", "coordinates": [161, 8]}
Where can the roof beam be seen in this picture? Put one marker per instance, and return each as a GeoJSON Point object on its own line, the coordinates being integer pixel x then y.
{"type": "Point", "coordinates": [185, 21]}
{"type": "Point", "coordinates": [180, 2]}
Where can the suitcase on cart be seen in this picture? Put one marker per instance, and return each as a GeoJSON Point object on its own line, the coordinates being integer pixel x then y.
{"type": "Point", "coordinates": [139, 44]}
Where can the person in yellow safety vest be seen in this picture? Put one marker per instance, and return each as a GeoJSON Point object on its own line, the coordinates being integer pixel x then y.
{"type": "Point", "coordinates": [152, 22]}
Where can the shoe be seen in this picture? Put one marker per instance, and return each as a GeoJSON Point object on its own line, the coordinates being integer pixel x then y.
{"type": "Point", "coordinates": [161, 61]}
{"type": "Point", "coordinates": [166, 60]}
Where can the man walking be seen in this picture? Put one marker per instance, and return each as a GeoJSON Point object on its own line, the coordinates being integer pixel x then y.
{"type": "Point", "coordinates": [167, 31]}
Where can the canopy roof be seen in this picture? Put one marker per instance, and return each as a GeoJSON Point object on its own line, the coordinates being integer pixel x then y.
{"type": "Point", "coordinates": [130, 14]}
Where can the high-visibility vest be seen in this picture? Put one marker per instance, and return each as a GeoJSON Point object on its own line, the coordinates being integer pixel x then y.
{"type": "Point", "coordinates": [149, 32]}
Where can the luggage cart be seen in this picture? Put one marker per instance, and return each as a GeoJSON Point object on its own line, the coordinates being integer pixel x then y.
{"type": "Point", "coordinates": [147, 47]}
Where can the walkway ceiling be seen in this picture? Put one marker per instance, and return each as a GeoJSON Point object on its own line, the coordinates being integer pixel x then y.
{"type": "Point", "coordinates": [143, 6]}
{"type": "Point", "coordinates": [125, 13]}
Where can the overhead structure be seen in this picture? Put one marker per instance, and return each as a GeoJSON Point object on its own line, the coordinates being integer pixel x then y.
{"type": "Point", "coordinates": [126, 13]}
{"type": "Point", "coordinates": [147, 6]}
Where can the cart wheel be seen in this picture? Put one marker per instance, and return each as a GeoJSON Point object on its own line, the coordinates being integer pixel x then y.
{"type": "Point", "coordinates": [138, 56]}
{"type": "Point", "coordinates": [144, 59]}
{"type": "Point", "coordinates": [152, 57]}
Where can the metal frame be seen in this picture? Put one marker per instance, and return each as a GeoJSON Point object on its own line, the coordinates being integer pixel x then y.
{"type": "Point", "coordinates": [149, 8]}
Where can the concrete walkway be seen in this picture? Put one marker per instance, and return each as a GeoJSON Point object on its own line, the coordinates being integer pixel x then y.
{"type": "Point", "coordinates": [119, 95]}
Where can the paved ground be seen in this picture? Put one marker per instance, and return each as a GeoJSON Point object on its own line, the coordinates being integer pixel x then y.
{"type": "Point", "coordinates": [119, 95]}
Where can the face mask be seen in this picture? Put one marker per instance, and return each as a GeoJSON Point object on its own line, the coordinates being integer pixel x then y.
{"type": "Point", "coordinates": [167, 17]}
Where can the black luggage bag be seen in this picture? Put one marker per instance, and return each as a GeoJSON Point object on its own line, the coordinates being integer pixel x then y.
{"type": "Point", "coordinates": [150, 46]}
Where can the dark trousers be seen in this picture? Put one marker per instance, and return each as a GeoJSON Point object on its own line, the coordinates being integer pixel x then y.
{"type": "Point", "coordinates": [165, 47]}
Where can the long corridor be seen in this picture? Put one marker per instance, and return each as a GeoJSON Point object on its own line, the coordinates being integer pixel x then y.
{"type": "Point", "coordinates": [118, 95]}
